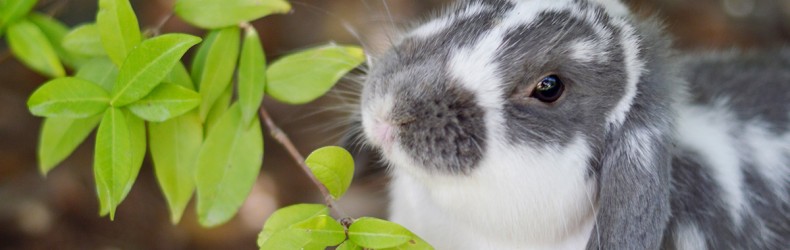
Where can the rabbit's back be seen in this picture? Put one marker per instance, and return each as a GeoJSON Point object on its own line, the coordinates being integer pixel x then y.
{"type": "Point", "coordinates": [731, 172]}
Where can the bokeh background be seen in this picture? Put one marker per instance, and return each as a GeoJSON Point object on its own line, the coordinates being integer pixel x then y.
{"type": "Point", "coordinates": [61, 210]}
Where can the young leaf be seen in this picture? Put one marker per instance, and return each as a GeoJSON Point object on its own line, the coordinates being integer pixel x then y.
{"type": "Point", "coordinates": [416, 243]}
{"type": "Point", "coordinates": [180, 76]}
{"type": "Point", "coordinates": [31, 46]}
{"type": "Point", "coordinates": [60, 137]}
{"type": "Point", "coordinates": [304, 76]}
{"type": "Point", "coordinates": [218, 70]}
{"type": "Point", "coordinates": [175, 145]}
{"type": "Point", "coordinates": [334, 167]}
{"type": "Point", "coordinates": [348, 245]}
{"type": "Point", "coordinates": [283, 218]}
{"type": "Point", "coordinates": [199, 60]}
{"type": "Point", "coordinates": [13, 10]}
{"type": "Point", "coordinates": [100, 71]}
{"type": "Point", "coordinates": [84, 40]}
{"type": "Point", "coordinates": [118, 28]}
{"type": "Point", "coordinates": [219, 108]}
{"type": "Point", "coordinates": [68, 97]}
{"type": "Point", "coordinates": [323, 230]}
{"type": "Point", "coordinates": [228, 164]}
{"type": "Point", "coordinates": [290, 239]}
{"type": "Point", "coordinates": [252, 75]}
{"type": "Point", "coordinates": [147, 65]}
{"type": "Point", "coordinates": [211, 14]}
{"type": "Point", "coordinates": [113, 163]}
{"type": "Point", "coordinates": [376, 233]}
{"type": "Point", "coordinates": [166, 101]}
{"type": "Point", "coordinates": [55, 31]}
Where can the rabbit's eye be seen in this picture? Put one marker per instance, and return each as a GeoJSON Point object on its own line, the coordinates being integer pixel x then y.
{"type": "Point", "coordinates": [549, 89]}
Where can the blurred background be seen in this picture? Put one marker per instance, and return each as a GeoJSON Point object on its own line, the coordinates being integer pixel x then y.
{"type": "Point", "coordinates": [61, 210]}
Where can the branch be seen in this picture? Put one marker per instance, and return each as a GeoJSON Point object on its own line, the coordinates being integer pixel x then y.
{"type": "Point", "coordinates": [283, 139]}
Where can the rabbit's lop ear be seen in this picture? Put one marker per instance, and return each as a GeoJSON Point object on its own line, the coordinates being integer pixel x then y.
{"type": "Point", "coordinates": [634, 165]}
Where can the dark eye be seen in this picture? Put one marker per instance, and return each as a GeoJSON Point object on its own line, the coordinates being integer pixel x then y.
{"type": "Point", "coordinates": [549, 89]}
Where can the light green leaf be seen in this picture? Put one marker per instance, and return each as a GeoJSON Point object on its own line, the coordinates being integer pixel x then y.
{"type": "Point", "coordinates": [13, 10]}
{"type": "Point", "coordinates": [110, 198]}
{"type": "Point", "coordinates": [283, 218]}
{"type": "Point", "coordinates": [60, 137]}
{"type": "Point", "coordinates": [147, 65]}
{"type": "Point", "coordinates": [290, 239]}
{"type": "Point", "coordinates": [68, 97]}
{"type": "Point", "coordinates": [334, 167]}
{"type": "Point", "coordinates": [32, 47]}
{"type": "Point", "coordinates": [220, 64]}
{"type": "Point", "coordinates": [175, 145]}
{"type": "Point", "coordinates": [376, 233]}
{"type": "Point", "coordinates": [322, 230]}
{"type": "Point", "coordinates": [166, 101]}
{"type": "Point", "coordinates": [416, 243]}
{"type": "Point", "coordinates": [304, 76]}
{"type": "Point", "coordinates": [112, 161]}
{"type": "Point", "coordinates": [199, 60]}
{"type": "Point", "coordinates": [252, 74]}
{"type": "Point", "coordinates": [219, 108]}
{"type": "Point", "coordinates": [180, 76]}
{"type": "Point", "coordinates": [55, 31]}
{"type": "Point", "coordinates": [212, 14]}
{"type": "Point", "coordinates": [228, 164]}
{"type": "Point", "coordinates": [348, 245]}
{"type": "Point", "coordinates": [84, 40]}
{"type": "Point", "coordinates": [118, 28]}
{"type": "Point", "coordinates": [100, 71]}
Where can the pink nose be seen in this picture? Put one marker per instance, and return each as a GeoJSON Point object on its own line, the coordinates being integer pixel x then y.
{"type": "Point", "coordinates": [384, 133]}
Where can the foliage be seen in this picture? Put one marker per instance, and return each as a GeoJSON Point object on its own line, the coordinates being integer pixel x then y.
{"type": "Point", "coordinates": [139, 97]}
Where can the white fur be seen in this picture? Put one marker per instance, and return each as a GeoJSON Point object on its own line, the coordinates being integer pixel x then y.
{"type": "Point", "coordinates": [614, 7]}
{"type": "Point", "coordinates": [709, 132]}
{"type": "Point", "coordinates": [770, 153]}
{"type": "Point", "coordinates": [437, 25]}
{"type": "Point", "coordinates": [587, 51]}
{"type": "Point", "coordinates": [634, 67]}
{"type": "Point", "coordinates": [689, 237]}
{"type": "Point", "coordinates": [541, 196]}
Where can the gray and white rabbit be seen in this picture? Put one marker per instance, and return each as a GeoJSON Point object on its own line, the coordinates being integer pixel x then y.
{"type": "Point", "coordinates": [570, 124]}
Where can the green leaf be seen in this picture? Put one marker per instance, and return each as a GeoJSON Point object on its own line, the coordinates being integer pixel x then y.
{"type": "Point", "coordinates": [219, 108]}
{"type": "Point", "coordinates": [220, 63]}
{"type": "Point", "coordinates": [55, 31]}
{"type": "Point", "coordinates": [13, 10]}
{"type": "Point", "coordinates": [84, 40]}
{"type": "Point", "coordinates": [180, 76]}
{"type": "Point", "coordinates": [252, 75]}
{"type": "Point", "coordinates": [166, 101]}
{"type": "Point", "coordinates": [283, 218]}
{"type": "Point", "coordinates": [322, 230]}
{"type": "Point", "coordinates": [304, 76]}
{"type": "Point", "coordinates": [290, 239]}
{"type": "Point", "coordinates": [199, 60]}
{"type": "Point", "coordinates": [100, 71]}
{"type": "Point", "coordinates": [118, 28]}
{"type": "Point", "coordinates": [212, 14]}
{"type": "Point", "coordinates": [147, 65]}
{"type": "Point", "coordinates": [228, 164]}
{"type": "Point", "coordinates": [175, 145]}
{"type": "Point", "coordinates": [348, 245]}
{"type": "Point", "coordinates": [416, 243]}
{"type": "Point", "coordinates": [60, 137]}
{"type": "Point", "coordinates": [334, 167]}
{"type": "Point", "coordinates": [31, 46]}
{"type": "Point", "coordinates": [68, 97]}
{"type": "Point", "coordinates": [376, 233]}
{"type": "Point", "coordinates": [115, 158]}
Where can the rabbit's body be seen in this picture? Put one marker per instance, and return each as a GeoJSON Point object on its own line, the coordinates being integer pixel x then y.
{"type": "Point", "coordinates": [627, 156]}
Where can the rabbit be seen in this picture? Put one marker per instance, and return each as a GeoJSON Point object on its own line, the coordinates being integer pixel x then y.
{"type": "Point", "coordinates": [571, 124]}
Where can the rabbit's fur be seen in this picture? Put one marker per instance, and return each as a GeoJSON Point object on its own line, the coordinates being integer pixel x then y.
{"type": "Point", "coordinates": [644, 150]}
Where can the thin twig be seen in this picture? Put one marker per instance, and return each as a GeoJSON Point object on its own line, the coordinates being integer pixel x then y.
{"type": "Point", "coordinates": [283, 139]}
{"type": "Point", "coordinates": [156, 30]}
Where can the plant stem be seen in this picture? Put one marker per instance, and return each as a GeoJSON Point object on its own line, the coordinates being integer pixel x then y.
{"type": "Point", "coordinates": [283, 139]}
